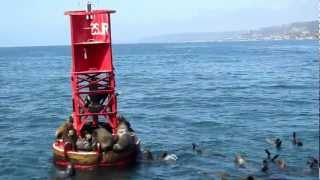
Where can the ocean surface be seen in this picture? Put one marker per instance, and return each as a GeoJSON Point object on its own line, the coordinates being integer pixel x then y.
{"type": "Point", "coordinates": [226, 97]}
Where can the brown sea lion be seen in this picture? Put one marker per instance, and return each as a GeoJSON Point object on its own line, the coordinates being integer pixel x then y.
{"type": "Point", "coordinates": [280, 162]}
{"type": "Point", "coordinates": [104, 138]}
{"type": "Point", "coordinates": [63, 129]}
{"type": "Point", "coordinates": [124, 142]}
{"type": "Point", "coordinates": [125, 139]}
{"type": "Point", "coordinates": [123, 120]}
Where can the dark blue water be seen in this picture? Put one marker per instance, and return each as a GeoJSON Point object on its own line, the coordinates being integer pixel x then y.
{"type": "Point", "coordinates": [226, 97]}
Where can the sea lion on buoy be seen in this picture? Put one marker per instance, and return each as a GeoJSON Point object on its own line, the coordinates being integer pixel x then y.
{"type": "Point", "coordinates": [295, 140]}
{"type": "Point", "coordinates": [63, 129]}
{"type": "Point", "coordinates": [123, 143]}
{"type": "Point", "coordinates": [104, 138]}
{"type": "Point", "coordinates": [71, 138]}
{"type": "Point", "coordinates": [240, 161]}
{"type": "Point", "coordinates": [125, 139]}
{"type": "Point", "coordinates": [122, 119]}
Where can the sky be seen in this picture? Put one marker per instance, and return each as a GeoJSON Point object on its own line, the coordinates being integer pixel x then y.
{"type": "Point", "coordinates": [42, 22]}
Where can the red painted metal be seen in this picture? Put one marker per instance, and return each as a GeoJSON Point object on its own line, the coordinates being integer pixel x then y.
{"type": "Point", "coordinates": [92, 73]}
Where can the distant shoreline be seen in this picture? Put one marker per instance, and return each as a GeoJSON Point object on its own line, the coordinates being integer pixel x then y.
{"type": "Point", "coordinates": [187, 42]}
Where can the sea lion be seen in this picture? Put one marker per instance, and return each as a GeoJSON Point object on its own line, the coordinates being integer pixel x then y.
{"type": "Point", "coordinates": [63, 129]}
{"type": "Point", "coordinates": [147, 155]}
{"type": "Point", "coordinates": [275, 142]}
{"type": "Point", "coordinates": [265, 166]}
{"type": "Point", "coordinates": [83, 144]}
{"type": "Point", "coordinates": [295, 140]}
{"type": "Point", "coordinates": [104, 138]}
{"type": "Point", "coordinates": [196, 149]}
{"type": "Point", "coordinates": [70, 171]}
{"type": "Point", "coordinates": [250, 178]}
{"type": "Point", "coordinates": [280, 162]}
{"type": "Point", "coordinates": [124, 142]}
{"type": "Point", "coordinates": [313, 163]}
{"type": "Point", "coordinates": [123, 120]}
{"type": "Point", "coordinates": [66, 173]}
{"type": "Point", "coordinates": [269, 155]}
{"type": "Point", "coordinates": [71, 138]}
{"type": "Point", "coordinates": [168, 157]}
{"type": "Point", "coordinates": [125, 138]}
{"type": "Point", "coordinates": [240, 161]}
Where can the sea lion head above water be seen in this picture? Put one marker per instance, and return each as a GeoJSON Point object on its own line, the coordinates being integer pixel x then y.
{"type": "Point", "coordinates": [278, 143]}
{"type": "Point", "coordinates": [265, 166]}
{"type": "Point", "coordinates": [240, 161]}
{"type": "Point", "coordinates": [147, 155]}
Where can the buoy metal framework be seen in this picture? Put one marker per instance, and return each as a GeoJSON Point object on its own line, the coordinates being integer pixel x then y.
{"type": "Point", "coordinates": [92, 73]}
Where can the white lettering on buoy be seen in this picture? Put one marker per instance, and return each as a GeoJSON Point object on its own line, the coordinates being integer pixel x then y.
{"type": "Point", "coordinates": [99, 29]}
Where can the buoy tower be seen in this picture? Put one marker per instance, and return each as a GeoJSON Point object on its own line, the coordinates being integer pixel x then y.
{"type": "Point", "coordinates": [93, 84]}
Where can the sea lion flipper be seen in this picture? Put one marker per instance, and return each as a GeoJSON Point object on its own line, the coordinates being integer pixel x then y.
{"type": "Point", "coordinates": [268, 153]}
{"type": "Point", "coordinates": [275, 157]}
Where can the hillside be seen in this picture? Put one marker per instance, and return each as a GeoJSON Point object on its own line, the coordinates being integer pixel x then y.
{"type": "Point", "coordinates": [293, 31]}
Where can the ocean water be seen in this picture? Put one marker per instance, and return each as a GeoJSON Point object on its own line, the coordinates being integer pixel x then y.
{"type": "Point", "coordinates": [226, 97]}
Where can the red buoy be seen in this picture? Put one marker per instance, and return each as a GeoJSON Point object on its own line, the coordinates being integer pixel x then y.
{"type": "Point", "coordinates": [93, 85]}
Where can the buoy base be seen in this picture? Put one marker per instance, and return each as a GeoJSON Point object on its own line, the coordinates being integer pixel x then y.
{"type": "Point", "coordinates": [94, 159]}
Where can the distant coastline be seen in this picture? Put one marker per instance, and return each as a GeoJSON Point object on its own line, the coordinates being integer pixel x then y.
{"type": "Point", "coordinates": [295, 31]}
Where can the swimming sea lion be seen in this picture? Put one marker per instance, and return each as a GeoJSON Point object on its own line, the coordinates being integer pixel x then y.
{"type": "Point", "coordinates": [275, 142]}
{"type": "Point", "coordinates": [295, 140]}
{"type": "Point", "coordinates": [274, 158]}
{"type": "Point", "coordinates": [280, 163]}
{"type": "Point", "coordinates": [147, 155]}
{"type": "Point", "coordinates": [196, 149]}
{"type": "Point", "coordinates": [265, 166]}
{"type": "Point", "coordinates": [168, 157]}
{"type": "Point", "coordinates": [250, 178]}
{"type": "Point", "coordinates": [66, 173]}
{"type": "Point", "coordinates": [313, 163]}
{"type": "Point", "coordinates": [70, 171]}
{"type": "Point", "coordinates": [104, 138]}
{"type": "Point", "coordinates": [240, 161]}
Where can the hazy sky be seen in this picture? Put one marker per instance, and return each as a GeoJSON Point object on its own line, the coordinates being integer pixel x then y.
{"type": "Point", "coordinates": [41, 22]}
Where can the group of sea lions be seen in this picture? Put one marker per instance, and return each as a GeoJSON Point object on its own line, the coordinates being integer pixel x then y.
{"type": "Point", "coordinates": [240, 161]}
{"type": "Point", "coordinates": [97, 137]}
